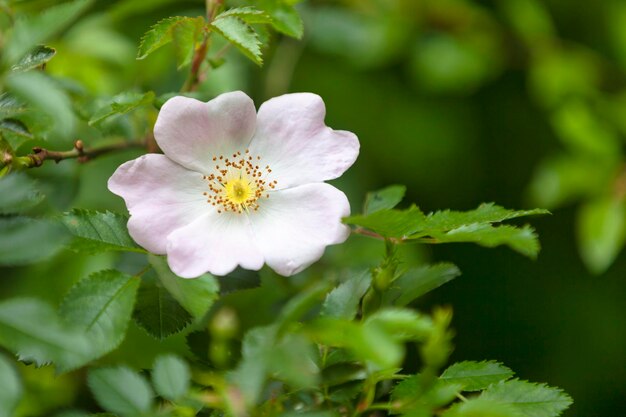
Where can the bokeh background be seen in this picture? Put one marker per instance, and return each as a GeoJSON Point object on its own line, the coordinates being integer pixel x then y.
{"type": "Point", "coordinates": [519, 102]}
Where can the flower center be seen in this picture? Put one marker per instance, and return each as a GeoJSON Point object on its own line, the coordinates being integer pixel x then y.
{"type": "Point", "coordinates": [237, 184]}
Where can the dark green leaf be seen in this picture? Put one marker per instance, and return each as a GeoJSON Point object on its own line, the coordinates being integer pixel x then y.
{"type": "Point", "coordinates": [476, 376]}
{"type": "Point", "coordinates": [25, 241]}
{"type": "Point", "coordinates": [16, 127]}
{"type": "Point", "coordinates": [196, 295]}
{"type": "Point", "coordinates": [101, 306]}
{"type": "Point", "coordinates": [241, 35]}
{"type": "Point", "coordinates": [18, 193]}
{"type": "Point", "coordinates": [31, 329]}
{"type": "Point", "coordinates": [11, 392]}
{"type": "Point", "coordinates": [157, 311]}
{"type": "Point", "coordinates": [171, 377]}
{"type": "Point", "coordinates": [121, 104]}
{"type": "Point", "coordinates": [97, 231]}
{"type": "Point", "coordinates": [35, 58]}
{"type": "Point", "coordinates": [343, 301]}
{"type": "Point", "coordinates": [32, 30]}
{"type": "Point", "coordinates": [343, 372]}
{"type": "Point", "coordinates": [601, 232]}
{"type": "Point", "coordinates": [120, 390]}
{"type": "Point", "coordinates": [10, 106]}
{"type": "Point", "coordinates": [418, 281]}
{"type": "Point", "coordinates": [387, 198]}
{"type": "Point", "coordinates": [530, 399]}
{"type": "Point", "coordinates": [419, 395]}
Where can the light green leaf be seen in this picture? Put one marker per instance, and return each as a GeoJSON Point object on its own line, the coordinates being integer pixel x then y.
{"type": "Point", "coordinates": [15, 127]}
{"type": "Point", "coordinates": [157, 311]}
{"type": "Point", "coordinates": [390, 223]}
{"type": "Point", "coordinates": [418, 281]}
{"type": "Point", "coordinates": [401, 324]}
{"type": "Point", "coordinates": [162, 33]}
{"type": "Point", "coordinates": [601, 232]}
{"type": "Point", "coordinates": [185, 35]}
{"type": "Point", "coordinates": [530, 399]}
{"type": "Point", "coordinates": [11, 392]}
{"type": "Point", "coordinates": [250, 15]}
{"type": "Point", "coordinates": [241, 35]}
{"type": "Point", "coordinates": [285, 18]}
{"type": "Point", "coordinates": [97, 231]}
{"type": "Point", "coordinates": [343, 301]}
{"type": "Point", "coordinates": [121, 104]}
{"type": "Point", "coordinates": [480, 407]}
{"type": "Point", "coordinates": [171, 377]}
{"type": "Point", "coordinates": [18, 193]}
{"type": "Point", "coordinates": [195, 295]}
{"type": "Point", "coordinates": [418, 395]}
{"type": "Point", "coordinates": [35, 58]}
{"type": "Point", "coordinates": [25, 241]}
{"type": "Point", "coordinates": [45, 95]}
{"type": "Point", "coordinates": [120, 390]}
{"type": "Point", "coordinates": [101, 306]}
{"type": "Point", "coordinates": [387, 198]}
{"type": "Point", "coordinates": [31, 329]}
{"type": "Point", "coordinates": [476, 376]}
{"type": "Point", "coordinates": [10, 106]}
{"type": "Point", "coordinates": [32, 30]}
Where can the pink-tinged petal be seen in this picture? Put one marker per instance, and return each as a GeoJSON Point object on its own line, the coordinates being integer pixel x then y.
{"type": "Point", "coordinates": [161, 197]}
{"type": "Point", "coordinates": [293, 227]}
{"type": "Point", "coordinates": [215, 243]}
{"type": "Point", "coordinates": [292, 138]}
{"type": "Point", "coordinates": [191, 132]}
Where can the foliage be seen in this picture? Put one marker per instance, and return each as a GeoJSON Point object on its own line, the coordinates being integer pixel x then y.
{"type": "Point", "coordinates": [337, 340]}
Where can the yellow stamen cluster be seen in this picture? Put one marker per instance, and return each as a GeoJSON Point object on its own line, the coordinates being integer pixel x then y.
{"type": "Point", "coordinates": [237, 184]}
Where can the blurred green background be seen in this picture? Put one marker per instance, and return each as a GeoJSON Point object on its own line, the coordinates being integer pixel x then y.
{"type": "Point", "coordinates": [518, 102]}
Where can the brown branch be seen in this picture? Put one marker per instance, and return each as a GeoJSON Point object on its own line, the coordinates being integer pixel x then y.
{"type": "Point", "coordinates": [40, 155]}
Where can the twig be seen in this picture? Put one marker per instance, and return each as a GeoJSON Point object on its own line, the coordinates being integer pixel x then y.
{"type": "Point", "coordinates": [40, 155]}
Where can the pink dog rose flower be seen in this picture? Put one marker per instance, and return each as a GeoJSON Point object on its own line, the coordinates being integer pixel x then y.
{"type": "Point", "coordinates": [239, 188]}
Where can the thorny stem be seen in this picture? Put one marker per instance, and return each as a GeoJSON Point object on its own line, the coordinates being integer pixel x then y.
{"type": "Point", "coordinates": [40, 155]}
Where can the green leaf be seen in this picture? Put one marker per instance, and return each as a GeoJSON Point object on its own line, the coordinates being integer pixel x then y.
{"type": "Point", "coordinates": [162, 33]}
{"type": "Point", "coordinates": [241, 35]}
{"type": "Point", "coordinates": [120, 390]}
{"type": "Point", "coordinates": [390, 223]}
{"type": "Point", "coordinates": [45, 95]}
{"type": "Point", "coordinates": [32, 30]}
{"type": "Point", "coordinates": [97, 231]}
{"type": "Point", "coordinates": [171, 377]}
{"type": "Point", "coordinates": [196, 295]}
{"type": "Point", "coordinates": [25, 241]}
{"type": "Point", "coordinates": [401, 324]}
{"type": "Point", "coordinates": [476, 376]}
{"type": "Point", "coordinates": [121, 104]}
{"type": "Point", "coordinates": [157, 311]}
{"type": "Point", "coordinates": [250, 15]}
{"type": "Point", "coordinates": [418, 281]}
{"type": "Point", "coordinates": [480, 407]}
{"type": "Point", "coordinates": [31, 329]}
{"type": "Point", "coordinates": [101, 306]}
{"type": "Point", "coordinates": [343, 301]}
{"type": "Point", "coordinates": [16, 127]}
{"type": "Point", "coordinates": [601, 232]}
{"type": "Point", "coordinates": [35, 58]}
{"type": "Point", "coordinates": [18, 192]}
{"type": "Point", "coordinates": [419, 395]}
{"type": "Point", "coordinates": [10, 106]}
{"type": "Point", "coordinates": [11, 392]}
{"type": "Point", "coordinates": [387, 198]}
{"type": "Point", "coordinates": [530, 399]}
{"type": "Point", "coordinates": [185, 34]}
{"type": "Point", "coordinates": [285, 18]}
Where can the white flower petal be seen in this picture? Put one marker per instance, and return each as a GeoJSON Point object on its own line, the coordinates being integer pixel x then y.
{"type": "Point", "coordinates": [215, 242]}
{"type": "Point", "coordinates": [191, 132]}
{"type": "Point", "coordinates": [293, 227]}
{"type": "Point", "coordinates": [161, 196]}
{"type": "Point", "coordinates": [292, 138]}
